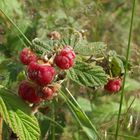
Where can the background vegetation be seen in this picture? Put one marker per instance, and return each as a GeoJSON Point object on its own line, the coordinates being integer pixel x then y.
{"type": "Point", "coordinates": [105, 21]}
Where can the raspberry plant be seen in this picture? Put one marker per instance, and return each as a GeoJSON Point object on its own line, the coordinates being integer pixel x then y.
{"type": "Point", "coordinates": [49, 68]}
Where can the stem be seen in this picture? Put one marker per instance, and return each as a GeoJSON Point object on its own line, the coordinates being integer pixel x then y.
{"type": "Point", "coordinates": [126, 64]}
{"type": "Point", "coordinates": [16, 27]}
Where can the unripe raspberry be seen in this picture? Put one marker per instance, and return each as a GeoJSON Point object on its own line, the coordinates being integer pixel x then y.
{"type": "Point", "coordinates": [54, 35]}
{"type": "Point", "coordinates": [65, 59]}
{"type": "Point", "coordinates": [28, 92]}
{"type": "Point", "coordinates": [47, 93]}
{"type": "Point", "coordinates": [113, 85]}
{"type": "Point", "coordinates": [41, 74]}
{"type": "Point", "coordinates": [27, 56]}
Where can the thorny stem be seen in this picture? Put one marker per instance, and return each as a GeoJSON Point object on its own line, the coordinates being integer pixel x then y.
{"type": "Point", "coordinates": [126, 64]}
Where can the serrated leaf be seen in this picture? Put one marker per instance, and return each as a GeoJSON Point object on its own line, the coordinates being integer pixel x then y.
{"type": "Point", "coordinates": [90, 48]}
{"type": "Point", "coordinates": [18, 116]}
{"type": "Point", "coordinates": [87, 75]}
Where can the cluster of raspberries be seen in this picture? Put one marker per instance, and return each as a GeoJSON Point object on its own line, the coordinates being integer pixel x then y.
{"type": "Point", "coordinates": [41, 74]}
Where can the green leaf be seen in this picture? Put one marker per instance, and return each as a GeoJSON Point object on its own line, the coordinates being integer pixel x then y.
{"type": "Point", "coordinates": [84, 103]}
{"type": "Point", "coordinates": [92, 48]}
{"type": "Point", "coordinates": [117, 67]}
{"type": "Point", "coordinates": [18, 116]}
{"type": "Point", "coordinates": [87, 75]}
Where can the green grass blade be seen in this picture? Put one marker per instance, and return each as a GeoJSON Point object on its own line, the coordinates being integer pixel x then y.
{"type": "Point", "coordinates": [126, 64]}
{"type": "Point", "coordinates": [80, 116]}
{"type": "Point", "coordinates": [13, 23]}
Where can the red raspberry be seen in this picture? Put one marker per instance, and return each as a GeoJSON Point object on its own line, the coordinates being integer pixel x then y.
{"type": "Point", "coordinates": [27, 56]}
{"type": "Point", "coordinates": [33, 68]}
{"type": "Point", "coordinates": [41, 74]}
{"type": "Point", "coordinates": [68, 51]}
{"type": "Point", "coordinates": [45, 74]}
{"type": "Point", "coordinates": [65, 59]}
{"type": "Point", "coordinates": [47, 93]}
{"type": "Point", "coordinates": [113, 85]}
{"type": "Point", "coordinates": [28, 92]}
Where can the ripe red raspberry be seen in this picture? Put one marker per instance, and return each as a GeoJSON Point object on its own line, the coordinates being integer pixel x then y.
{"type": "Point", "coordinates": [45, 74]}
{"type": "Point", "coordinates": [28, 92]}
{"type": "Point", "coordinates": [27, 56]}
{"type": "Point", "coordinates": [47, 93]}
{"type": "Point", "coordinates": [41, 74]}
{"type": "Point", "coordinates": [113, 85]}
{"type": "Point", "coordinates": [33, 71]}
{"type": "Point", "coordinates": [65, 59]}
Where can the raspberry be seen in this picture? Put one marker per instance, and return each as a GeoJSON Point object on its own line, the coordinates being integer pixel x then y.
{"type": "Point", "coordinates": [45, 74]}
{"type": "Point", "coordinates": [27, 56]}
{"type": "Point", "coordinates": [33, 68]}
{"type": "Point", "coordinates": [65, 59]}
{"type": "Point", "coordinates": [54, 35]}
{"type": "Point", "coordinates": [113, 85]}
{"type": "Point", "coordinates": [28, 92]}
{"type": "Point", "coordinates": [47, 93]}
{"type": "Point", "coordinates": [41, 74]}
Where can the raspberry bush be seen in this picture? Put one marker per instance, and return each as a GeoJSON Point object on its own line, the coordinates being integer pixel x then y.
{"type": "Point", "coordinates": [64, 73]}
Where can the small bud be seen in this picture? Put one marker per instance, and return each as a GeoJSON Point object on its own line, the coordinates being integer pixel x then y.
{"type": "Point", "coordinates": [54, 35]}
